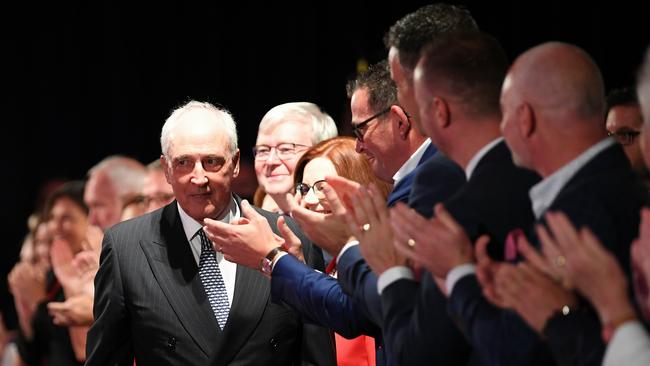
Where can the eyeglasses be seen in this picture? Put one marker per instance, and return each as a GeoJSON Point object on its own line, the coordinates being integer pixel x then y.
{"type": "Point", "coordinates": [625, 136]}
{"type": "Point", "coordinates": [357, 128]}
{"type": "Point", "coordinates": [284, 151]}
{"type": "Point", "coordinates": [318, 186]}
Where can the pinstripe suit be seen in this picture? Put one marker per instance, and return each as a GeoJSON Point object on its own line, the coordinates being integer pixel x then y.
{"type": "Point", "coordinates": [150, 305]}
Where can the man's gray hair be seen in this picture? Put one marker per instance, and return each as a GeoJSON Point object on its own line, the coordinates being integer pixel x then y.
{"type": "Point", "coordinates": [125, 174]}
{"type": "Point", "coordinates": [309, 114]}
{"type": "Point", "coordinates": [223, 116]}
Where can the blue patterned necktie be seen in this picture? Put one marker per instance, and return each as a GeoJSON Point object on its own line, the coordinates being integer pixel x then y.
{"type": "Point", "coordinates": [212, 280]}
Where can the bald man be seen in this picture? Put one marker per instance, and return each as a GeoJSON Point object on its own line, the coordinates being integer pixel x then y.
{"type": "Point", "coordinates": [552, 121]}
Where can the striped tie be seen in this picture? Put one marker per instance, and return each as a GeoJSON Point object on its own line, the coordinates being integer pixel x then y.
{"type": "Point", "coordinates": [212, 280]}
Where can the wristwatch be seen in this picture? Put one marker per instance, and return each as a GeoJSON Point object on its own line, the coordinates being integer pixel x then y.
{"type": "Point", "coordinates": [266, 263]}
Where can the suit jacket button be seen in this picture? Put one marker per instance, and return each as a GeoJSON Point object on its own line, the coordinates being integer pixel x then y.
{"type": "Point", "coordinates": [171, 343]}
{"type": "Point", "coordinates": [274, 344]}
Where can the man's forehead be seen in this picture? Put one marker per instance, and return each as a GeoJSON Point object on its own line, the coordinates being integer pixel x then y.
{"type": "Point", "coordinates": [292, 131]}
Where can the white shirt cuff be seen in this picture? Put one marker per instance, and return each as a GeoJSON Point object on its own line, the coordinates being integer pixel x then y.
{"type": "Point", "coordinates": [630, 345]}
{"type": "Point", "coordinates": [347, 246]}
{"type": "Point", "coordinates": [277, 258]}
{"type": "Point", "coordinates": [391, 275]}
{"type": "Point", "coordinates": [456, 274]}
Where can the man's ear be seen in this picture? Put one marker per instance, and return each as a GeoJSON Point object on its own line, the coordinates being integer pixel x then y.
{"type": "Point", "coordinates": [442, 112]}
{"type": "Point", "coordinates": [403, 121]}
{"type": "Point", "coordinates": [166, 170]}
{"type": "Point", "coordinates": [527, 120]}
{"type": "Point", "coordinates": [235, 162]}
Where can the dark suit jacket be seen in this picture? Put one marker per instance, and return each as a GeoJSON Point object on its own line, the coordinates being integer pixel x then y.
{"type": "Point", "coordinates": [355, 276]}
{"type": "Point", "coordinates": [150, 304]}
{"type": "Point", "coordinates": [603, 195]}
{"type": "Point", "coordinates": [435, 180]}
{"type": "Point", "coordinates": [606, 196]}
{"type": "Point", "coordinates": [494, 201]}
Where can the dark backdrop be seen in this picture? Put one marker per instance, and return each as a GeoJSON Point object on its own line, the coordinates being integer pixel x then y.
{"type": "Point", "coordinates": [83, 80]}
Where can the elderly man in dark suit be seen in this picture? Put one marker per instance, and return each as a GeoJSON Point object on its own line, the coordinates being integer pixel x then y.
{"type": "Point", "coordinates": [164, 297]}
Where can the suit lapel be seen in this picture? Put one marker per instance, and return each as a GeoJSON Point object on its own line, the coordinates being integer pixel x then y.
{"type": "Point", "coordinates": [402, 189]}
{"type": "Point", "coordinates": [252, 292]}
{"type": "Point", "coordinates": [175, 270]}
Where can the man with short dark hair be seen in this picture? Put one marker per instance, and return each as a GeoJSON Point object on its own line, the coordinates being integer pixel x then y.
{"type": "Point", "coordinates": [624, 122]}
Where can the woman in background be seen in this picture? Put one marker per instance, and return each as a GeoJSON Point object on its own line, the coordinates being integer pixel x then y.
{"type": "Point", "coordinates": [337, 157]}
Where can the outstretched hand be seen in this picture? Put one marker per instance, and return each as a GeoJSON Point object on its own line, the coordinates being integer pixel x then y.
{"type": "Point", "coordinates": [246, 241]}
{"type": "Point", "coordinates": [329, 231]}
{"type": "Point", "coordinates": [438, 244]}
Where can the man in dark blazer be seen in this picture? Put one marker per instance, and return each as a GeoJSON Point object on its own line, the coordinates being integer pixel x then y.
{"type": "Point", "coordinates": [463, 122]}
{"type": "Point", "coordinates": [164, 297]}
{"type": "Point", "coordinates": [558, 132]}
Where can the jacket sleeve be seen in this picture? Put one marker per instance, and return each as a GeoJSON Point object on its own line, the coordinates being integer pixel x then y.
{"type": "Point", "coordinates": [109, 338]}
{"type": "Point", "coordinates": [319, 298]}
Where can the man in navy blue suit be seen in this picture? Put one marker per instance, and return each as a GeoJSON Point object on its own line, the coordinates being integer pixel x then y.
{"type": "Point", "coordinates": [459, 110]}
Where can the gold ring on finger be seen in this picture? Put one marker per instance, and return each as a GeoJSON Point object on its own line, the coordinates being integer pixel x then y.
{"type": "Point", "coordinates": [559, 261]}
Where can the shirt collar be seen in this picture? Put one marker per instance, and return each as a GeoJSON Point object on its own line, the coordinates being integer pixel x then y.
{"type": "Point", "coordinates": [191, 226]}
{"type": "Point", "coordinates": [412, 162]}
{"type": "Point", "coordinates": [473, 162]}
{"type": "Point", "coordinates": [544, 193]}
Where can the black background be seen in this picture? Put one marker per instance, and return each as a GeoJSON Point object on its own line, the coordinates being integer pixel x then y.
{"type": "Point", "coordinates": [83, 80]}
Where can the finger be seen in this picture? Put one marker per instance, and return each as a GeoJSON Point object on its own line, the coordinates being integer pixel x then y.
{"type": "Point", "coordinates": [304, 216]}
{"type": "Point", "coordinates": [531, 254]}
{"type": "Point", "coordinates": [405, 221]}
{"type": "Point", "coordinates": [341, 185]}
{"type": "Point", "coordinates": [480, 249]}
{"type": "Point", "coordinates": [337, 206]}
{"type": "Point", "coordinates": [293, 200]}
{"type": "Point", "coordinates": [343, 188]}
{"type": "Point", "coordinates": [592, 245]}
{"type": "Point", "coordinates": [379, 203]}
{"type": "Point", "coordinates": [359, 200]}
{"type": "Point", "coordinates": [644, 227]}
{"type": "Point", "coordinates": [534, 278]}
{"type": "Point", "coordinates": [367, 198]}
{"type": "Point", "coordinates": [56, 306]}
{"type": "Point", "coordinates": [240, 221]}
{"type": "Point", "coordinates": [404, 249]}
{"type": "Point", "coordinates": [290, 239]}
{"type": "Point", "coordinates": [249, 212]}
{"type": "Point", "coordinates": [565, 234]}
{"type": "Point", "coordinates": [215, 227]}
{"type": "Point", "coordinates": [446, 218]}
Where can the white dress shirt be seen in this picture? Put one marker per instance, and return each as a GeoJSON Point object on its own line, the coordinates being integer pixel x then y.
{"type": "Point", "coordinates": [630, 346]}
{"type": "Point", "coordinates": [191, 227]}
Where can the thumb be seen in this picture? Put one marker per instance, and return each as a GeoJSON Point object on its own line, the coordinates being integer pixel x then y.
{"type": "Point", "coordinates": [292, 200]}
{"type": "Point", "coordinates": [290, 239]}
{"type": "Point", "coordinates": [248, 211]}
{"type": "Point", "coordinates": [480, 249]}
